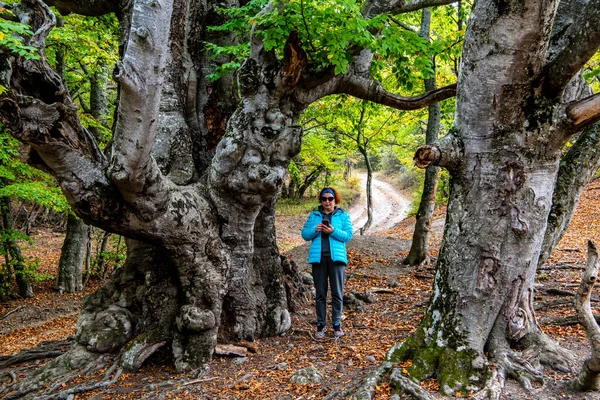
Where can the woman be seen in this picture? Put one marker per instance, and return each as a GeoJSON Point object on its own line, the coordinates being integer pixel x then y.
{"type": "Point", "coordinates": [329, 228]}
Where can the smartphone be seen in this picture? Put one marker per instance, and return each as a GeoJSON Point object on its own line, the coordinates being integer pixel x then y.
{"type": "Point", "coordinates": [326, 223]}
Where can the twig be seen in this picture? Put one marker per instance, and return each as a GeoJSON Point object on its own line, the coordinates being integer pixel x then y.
{"type": "Point", "coordinates": [12, 311]}
{"type": "Point", "coordinates": [551, 267]}
{"type": "Point", "coordinates": [200, 380]}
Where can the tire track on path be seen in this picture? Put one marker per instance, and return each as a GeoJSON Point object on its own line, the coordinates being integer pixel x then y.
{"type": "Point", "coordinates": [390, 206]}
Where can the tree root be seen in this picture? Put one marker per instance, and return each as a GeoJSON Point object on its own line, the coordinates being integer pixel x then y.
{"type": "Point", "coordinates": [66, 394]}
{"type": "Point", "coordinates": [404, 384]}
{"type": "Point", "coordinates": [550, 353]}
{"type": "Point", "coordinates": [45, 382]}
{"type": "Point", "coordinates": [48, 349]}
{"type": "Point", "coordinates": [362, 389]}
{"type": "Point", "coordinates": [492, 388]}
{"type": "Point", "coordinates": [509, 363]}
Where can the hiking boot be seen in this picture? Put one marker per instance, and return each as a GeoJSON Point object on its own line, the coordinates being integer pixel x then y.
{"type": "Point", "coordinates": [320, 333]}
{"type": "Point", "coordinates": [337, 331]}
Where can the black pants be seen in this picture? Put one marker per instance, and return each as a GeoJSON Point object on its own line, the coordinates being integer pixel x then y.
{"type": "Point", "coordinates": [328, 270]}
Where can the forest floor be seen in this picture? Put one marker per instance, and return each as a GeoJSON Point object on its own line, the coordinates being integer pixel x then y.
{"type": "Point", "coordinates": [371, 329]}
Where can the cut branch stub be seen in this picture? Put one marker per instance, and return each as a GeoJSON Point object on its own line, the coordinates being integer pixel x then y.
{"type": "Point", "coordinates": [427, 155]}
{"type": "Point", "coordinates": [445, 153]}
{"type": "Point", "coordinates": [584, 112]}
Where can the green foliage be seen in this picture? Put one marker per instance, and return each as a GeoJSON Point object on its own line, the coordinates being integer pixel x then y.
{"type": "Point", "coordinates": [294, 207]}
{"type": "Point", "coordinates": [591, 72]}
{"type": "Point", "coordinates": [11, 37]}
{"type": "Point", "coordinates": [89, 48]}
{"type": "Point", "coordinates": [23, 182]}
{"type": "Point", "coordinates": [110, 259]}
{"type": "Point", "coordinates": [330, 32]}
{"type": "Point", "coordinates": [228, 58]}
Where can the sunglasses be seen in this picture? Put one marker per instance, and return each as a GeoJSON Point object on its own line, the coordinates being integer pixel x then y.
{"type": "Point", "coordinates": [327, 198]}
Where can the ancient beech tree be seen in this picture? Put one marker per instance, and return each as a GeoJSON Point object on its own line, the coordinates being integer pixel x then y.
{"type": "Point", "coordinates": [513, 117]}
{"type": "Point", "coordinates": [203, 262]}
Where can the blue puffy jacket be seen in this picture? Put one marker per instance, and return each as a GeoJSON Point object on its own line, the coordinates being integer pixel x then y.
{"type": "Point", "coordinates": [342, 233]}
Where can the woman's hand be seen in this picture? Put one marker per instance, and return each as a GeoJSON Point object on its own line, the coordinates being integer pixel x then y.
{"type": "Point", "coordinates": [324, 228]}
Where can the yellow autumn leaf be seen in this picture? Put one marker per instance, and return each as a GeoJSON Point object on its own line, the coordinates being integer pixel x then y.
{"type": "Point", "coordinates": [1, 36]}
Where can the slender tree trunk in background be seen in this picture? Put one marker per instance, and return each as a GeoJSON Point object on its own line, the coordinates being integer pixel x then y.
{"type": "Point", "coordinates": [70, 266]}
{"type": "Point", "coordinates": [98, 100]}
{"type": "Point", "coordinates": [347, 168]}
{"type": "Point", "coordinates": [12, 248]}
{"type": "Point", "coordinates": [308, 181]}
{"type": "Point", "coordinates": [577, 169]}
{"type": "Point", "coordinates": [102, 265]}
{"type": "Point", "coordinates": [87, 271]}
{"type": "Point", "coordinates": [369, 188]}
{"type": "Point", "coordinates": [419, 249]}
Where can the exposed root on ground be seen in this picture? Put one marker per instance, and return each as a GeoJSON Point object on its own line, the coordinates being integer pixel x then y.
{"type": "Point", "coordinates": [549, 352]}
{"type": "Point", "coordinates": [47, 349]}
{"type": "Point", "coordinates": [49, 381]}
{"type": "Point", "coordinates": [524, 367]}
{"type": "Point", "coordinates": [405, 385]}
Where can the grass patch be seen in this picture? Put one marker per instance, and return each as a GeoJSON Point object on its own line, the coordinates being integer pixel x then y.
{"type": "Point", "coordinates": [295, 207]}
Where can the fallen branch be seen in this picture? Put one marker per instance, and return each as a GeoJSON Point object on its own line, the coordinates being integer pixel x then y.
{"type": "Point", "coordinates": [565, 321]}
{"type": "Point", "coordinates": [200, 380]}
{"type": "Point", "coordinates": [11, 311]}
{"type": "Point", "coordinates": [559, 292]}
{"type": "Point", "coordinates": [551, 267]}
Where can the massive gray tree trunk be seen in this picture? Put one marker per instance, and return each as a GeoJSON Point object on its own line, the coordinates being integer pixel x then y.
{"type": "Point", "coordinates": [195, 196]}
{"type": "Point", "coordinates": [503, 156]}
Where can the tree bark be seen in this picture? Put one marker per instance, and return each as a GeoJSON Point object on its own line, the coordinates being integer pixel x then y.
{"type": "Point", "coordinates": [69, 277]}
{"type": "Point", "coordinates": [419, 248]}
{"type": "Point", "coordinates": [503, 158]}
{"type": "Point", "coordinates": [202, 259]}
{"type": "Point", "coordinates": [369, 190]}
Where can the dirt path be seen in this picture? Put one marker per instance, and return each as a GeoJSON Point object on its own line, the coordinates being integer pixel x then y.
{"type": "Point", "coordinates": [390, 206]}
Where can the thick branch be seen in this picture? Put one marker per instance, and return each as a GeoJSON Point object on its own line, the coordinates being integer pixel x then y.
{"type": "Point", "coordinates": [141, 74]}
{"type": "Point", "coordinates": [582, 41]}
{"type": "Point", "coordinates": [584, 112]}
{"type": "Point", "coordinates": [395, 7]}
{"type": "Point", "coordinates": [371, 90]}
{"type": "Point", "coordinates": [90, 8]}
{"type": "Point", "coordinates": [589, 377]}
{"type": "Point", "coordinates": [445, 153]}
